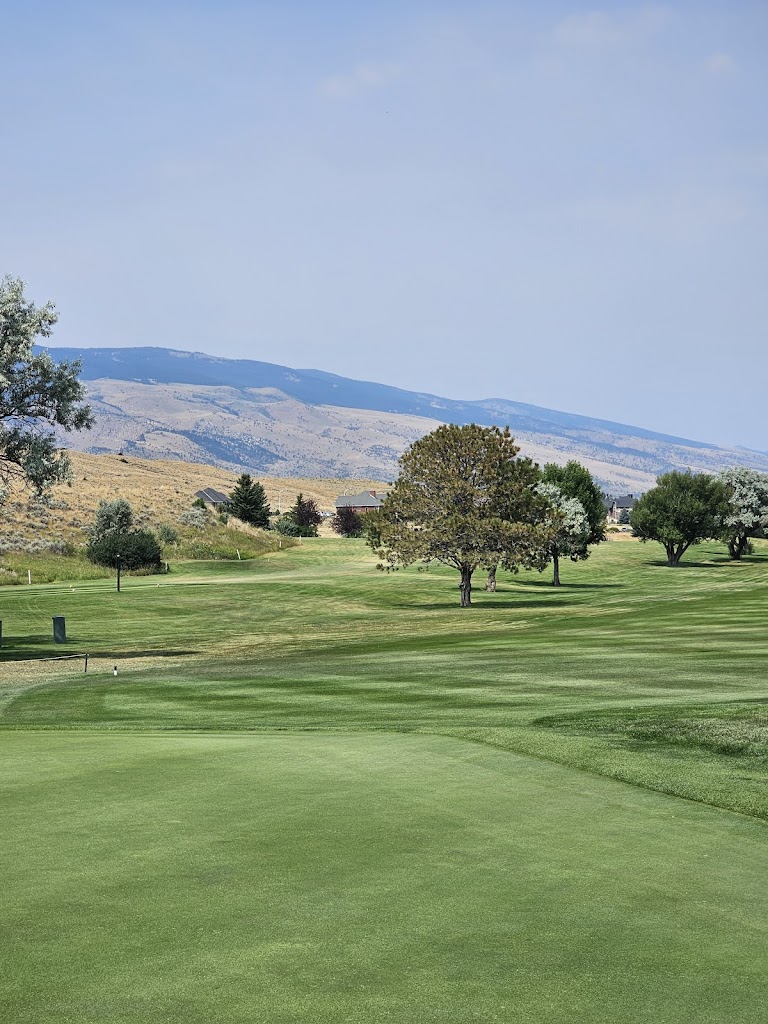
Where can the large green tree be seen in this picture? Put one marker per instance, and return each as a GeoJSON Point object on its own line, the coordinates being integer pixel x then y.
{"type": "Point", "coordinates": [570, 526]}
{"type": "Point", "coordinates": [37, 395]}
{"type": "Point", "coordinates": [681, 510]}
{"type": "Point", "coordinates": [248, 501]}
{"type": "Point", "coordinates": [747, 512]}
{"type": "Point", "coordinates": [464, 498]}
{"type": "Point", "coordinates": [580, 514]}
{"type": "Point", "coordinates": [575, 481]}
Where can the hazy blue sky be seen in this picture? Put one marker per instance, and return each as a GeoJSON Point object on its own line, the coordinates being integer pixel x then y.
{"type": "Point", "coordinates": [550, 202]}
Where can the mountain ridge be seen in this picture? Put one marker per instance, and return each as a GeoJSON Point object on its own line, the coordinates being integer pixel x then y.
{"type": "Point", "coordinates": [249, 414]}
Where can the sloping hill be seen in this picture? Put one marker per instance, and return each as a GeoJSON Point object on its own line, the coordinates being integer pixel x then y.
{"type": "Point", "coordinates": [236, 413]}
{"type": "Point", "coordinates": [158, 490]}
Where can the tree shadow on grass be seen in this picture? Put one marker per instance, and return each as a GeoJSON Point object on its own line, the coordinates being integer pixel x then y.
{"type": "Point", "coordinates": [547, 584]}
{"type": "Point", "coordinates": [486, 602]}
{"type": "Point", "coordinates": [27, 648]}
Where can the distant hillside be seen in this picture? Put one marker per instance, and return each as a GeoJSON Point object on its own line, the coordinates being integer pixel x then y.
{"type": "Point", "coordinates": [240, 413]}
{"type": "Point", "coordinates": [158, 490]}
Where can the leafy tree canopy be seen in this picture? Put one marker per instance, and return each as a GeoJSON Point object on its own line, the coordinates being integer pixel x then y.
{"type": "Point", "coordinates": [575, 481]}
{"type": "Point", "coordinates": [36, 394]}
{"type": "Point", "coordinates": [347, 522]}
{"type": "Point", "coordinates": [112, 517]}
{"type": "Point", "coordinates": [681, 510]}
{"type": "Point", "coordinates": [306, 515]}
{"type": "Point", "coordinates": [465, 499]}
{"type": "Point", "coordinates": [248, 502]}
{"type": "Point", "coordinates": [137, 549]}
{"type": "Point", "coordinates": [746, 514]}
{"type": "Point", "coordinates": [570, 525]}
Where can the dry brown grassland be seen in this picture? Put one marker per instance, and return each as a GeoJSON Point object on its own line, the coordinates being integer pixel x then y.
{"type": "Point", "coordinates": [158, 490]}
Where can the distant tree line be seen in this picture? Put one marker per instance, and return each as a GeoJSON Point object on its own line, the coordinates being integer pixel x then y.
{"type": "Point", "coordinates": [466, 498]}
{"type": "Point", "coordinates": [684, 509]}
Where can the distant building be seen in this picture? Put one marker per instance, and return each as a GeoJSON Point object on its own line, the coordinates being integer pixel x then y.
{"type": "Point", "coordinates": [615, 506]}
{"type": "Point", "coordinates": [363, 502]}
{"type": "Point", "coordinates": [212, 497]}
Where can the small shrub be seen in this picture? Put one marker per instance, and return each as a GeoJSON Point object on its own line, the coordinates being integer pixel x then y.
{"type": "Point", "coordinates": [288, 527]}
{"type": "Point", "coordinates": [137, 549]}
{"type": "Point", "coordinates": [195, 517]}
{"type": "Point", "coordinates": [167, 534]}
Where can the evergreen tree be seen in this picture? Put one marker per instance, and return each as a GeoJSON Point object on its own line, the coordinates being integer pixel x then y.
{"type": "Point", "coordinates": [249, 502]}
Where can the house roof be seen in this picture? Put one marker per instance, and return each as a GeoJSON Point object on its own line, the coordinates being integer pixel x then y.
{"type": "Point", "coordinates": [212, 495]}
{"type": "Point", "coordinates": [626, 501]}
{"type": "Point", "coordinates": [366, 499]}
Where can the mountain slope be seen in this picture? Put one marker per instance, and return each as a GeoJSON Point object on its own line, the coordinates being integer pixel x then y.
{"type": "Point", "coordinates": [238, 413]}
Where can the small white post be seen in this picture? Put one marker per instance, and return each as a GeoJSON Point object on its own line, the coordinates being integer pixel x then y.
{"type": "Point", "coordinates": [114, 671]}
{"type": "Point", "coordinates": [238, 554]}
{"type": "Point", "coordinates": [29, 576]}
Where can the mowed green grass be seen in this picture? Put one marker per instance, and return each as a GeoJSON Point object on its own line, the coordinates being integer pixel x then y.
{"type": "Point", "coordinates": [315, 792]}
{"type": "Point", "coordinates": [365, 878]}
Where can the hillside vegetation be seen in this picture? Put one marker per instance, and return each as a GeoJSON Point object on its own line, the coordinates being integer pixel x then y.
{"type": "Point", "coordinates": [158, 490]}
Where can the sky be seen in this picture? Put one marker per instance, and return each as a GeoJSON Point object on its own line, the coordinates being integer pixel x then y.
{"type": "Point", "coordinates": [551, 202]}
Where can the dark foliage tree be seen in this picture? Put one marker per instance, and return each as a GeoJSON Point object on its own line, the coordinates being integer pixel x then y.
{"type": "Point", "coordinates": [347, 522]}
{"type": "Point", "coordinates": [465, 499]}
{"type": "Point", "coordinates": [36, 394]}
{"type": "Point", "coordinates": [137, 549]}
{"type": "Point", "coordinates": [681, 510]}
{"type": "Point", "coordinates": [248, 502]}
{"type": "Point", "coordinates": [306, 515]}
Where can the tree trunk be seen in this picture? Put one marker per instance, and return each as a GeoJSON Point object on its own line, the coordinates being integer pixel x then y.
{"type": "Point", "coordinates": [737, 546]}
{"type": "Point", "coordinates": [490, 584]}
{"type": "Point", "coordinates": [466, 587]}
{"type": "Point", "coordinates": [556, 566]}
{"type": "Point", "coordinates": [675, 552]}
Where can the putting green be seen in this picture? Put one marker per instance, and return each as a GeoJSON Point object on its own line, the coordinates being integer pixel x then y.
{"type": "Point", "coordinates": [365, 878]}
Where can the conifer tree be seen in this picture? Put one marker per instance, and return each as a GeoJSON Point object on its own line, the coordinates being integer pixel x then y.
{"type": "Point", "coordinates": [248, 502]}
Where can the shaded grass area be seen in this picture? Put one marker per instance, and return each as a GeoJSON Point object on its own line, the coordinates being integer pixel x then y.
{"type": "Point", "coordinates": [364, 878]}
